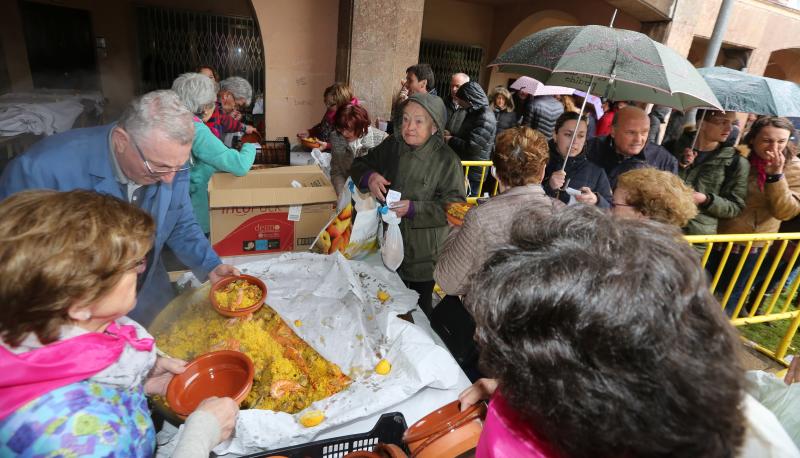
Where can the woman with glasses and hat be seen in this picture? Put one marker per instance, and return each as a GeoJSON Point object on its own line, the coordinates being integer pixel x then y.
{"type": "Point", "coordinates": [209, 154]}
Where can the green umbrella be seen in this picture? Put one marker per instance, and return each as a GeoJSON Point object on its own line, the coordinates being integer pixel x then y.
{"type": "Point", "coordinates": [618, 64]}
{"type": "Point", "coordinates": [746, 93]}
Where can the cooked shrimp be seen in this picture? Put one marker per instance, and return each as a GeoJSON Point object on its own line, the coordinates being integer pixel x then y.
{"type": "Point", "coordinates": [281, 388]}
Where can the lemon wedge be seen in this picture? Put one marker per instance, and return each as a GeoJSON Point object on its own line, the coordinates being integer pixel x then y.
{"type": "Point", "coordinates": [312, 418]}
{"type": "Point", "coordinates": [383, 296]}
{"type": "Point", "coordinates": [383, 367]}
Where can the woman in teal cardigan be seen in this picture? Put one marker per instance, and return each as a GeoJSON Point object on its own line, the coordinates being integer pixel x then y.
{"type": "Point", "coordinates": [209, 153]}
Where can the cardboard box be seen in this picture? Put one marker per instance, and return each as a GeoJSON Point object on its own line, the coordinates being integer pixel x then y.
{"type": "Point", "coordinates": [251, 214]}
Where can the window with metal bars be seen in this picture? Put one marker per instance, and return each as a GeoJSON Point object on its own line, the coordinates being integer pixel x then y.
{"type": "Point", "coordinates": [448, 58]}
{"type": "Point", "coordinates": [172, 42]}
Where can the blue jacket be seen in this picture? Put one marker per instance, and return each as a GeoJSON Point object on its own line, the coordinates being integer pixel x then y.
{"type": "Point", "coordinates": [79, 159]}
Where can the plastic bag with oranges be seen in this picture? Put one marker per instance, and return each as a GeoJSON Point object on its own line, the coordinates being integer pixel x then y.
{"type": "Point", "coordinates": [354, 230]}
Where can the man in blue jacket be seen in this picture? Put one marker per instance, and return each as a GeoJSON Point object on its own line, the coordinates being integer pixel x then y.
{"type": "Point", "coordinates": [143, 159]}
{"type": "Point", "coordinates": [627, 147]}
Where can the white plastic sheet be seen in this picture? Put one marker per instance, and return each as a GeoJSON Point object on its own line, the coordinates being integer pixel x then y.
{"type": "Point", "coordinates": [344, 321]}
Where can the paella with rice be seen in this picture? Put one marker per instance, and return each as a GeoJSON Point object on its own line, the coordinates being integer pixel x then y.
{"type": "Point", "coordinates": [289, 374]}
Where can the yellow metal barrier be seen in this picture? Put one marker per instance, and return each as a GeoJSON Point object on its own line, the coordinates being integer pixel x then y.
{"type": "Point", "coordinates": [484, 165]}
{"type": "Point", "coordinates": [761, 258]}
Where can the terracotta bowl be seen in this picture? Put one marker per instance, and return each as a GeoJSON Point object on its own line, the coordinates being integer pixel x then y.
{"type": "Point", "coordinates": [446, 431]}
{"type": "Point", "coordinates": [389, 451]}
{"type": "Point", "coordinates": [309, 144]}
{"type": "Point", "coordinates": [224, 373]}
{"type": "Point", "coordinates": [241, 312]}
{"type": "Point", "coordinates": [362, 454]}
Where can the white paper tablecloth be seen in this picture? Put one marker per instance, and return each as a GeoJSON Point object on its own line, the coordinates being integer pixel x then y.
{"type": "Point", "coordinates": [413, 403]}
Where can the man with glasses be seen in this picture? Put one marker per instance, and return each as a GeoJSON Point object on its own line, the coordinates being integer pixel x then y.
{"type": "Point", "coordinates": [143, 159]}
{"type": "Point", "coordinates": [716, 172]}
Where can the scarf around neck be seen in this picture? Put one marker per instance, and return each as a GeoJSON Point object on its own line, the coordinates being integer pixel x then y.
{"type": "Point", "coordinates": [33, 373]}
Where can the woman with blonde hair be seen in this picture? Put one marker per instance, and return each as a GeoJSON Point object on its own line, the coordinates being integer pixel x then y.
{"type": "Point", "coordinates": [335, 96]}
{"type": "Point", "coordinates": [654, 194]}
{"type": "Point", "coordinates": [520, 158]}
{"type": "Point", "coordinates": [76, 370]}
{"type": "Point", "coordinates": [502, 104]}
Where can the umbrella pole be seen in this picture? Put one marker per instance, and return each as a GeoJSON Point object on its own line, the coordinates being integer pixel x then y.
{"type": "Point", "coordinates": [580, 115]}
{"type": "Point", "coordinates": [697, 131]}
{"type": "Point", "coordinates": [613, 16]}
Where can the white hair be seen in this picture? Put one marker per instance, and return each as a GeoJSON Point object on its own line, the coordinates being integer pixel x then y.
{"type": "Point", "coordinates": [463, 76]}
{"type": "Point", "coordinates": [158, 111]}
{"type": "Point", "coordinates": [237, 86]}
{"type": "Point", "coordinates": [197, 91]}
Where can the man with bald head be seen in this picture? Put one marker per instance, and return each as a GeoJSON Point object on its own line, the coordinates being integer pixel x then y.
{"type": "Point", "coordinates": [627, 148]}
{"type": "Point", "coordinates": [455, 114]}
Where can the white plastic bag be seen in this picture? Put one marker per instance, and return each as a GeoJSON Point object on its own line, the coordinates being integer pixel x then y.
{"type": "Point", "coordinates": [354, 234]}
{"type": "Point", "coordinates": [366, 224]}
{"type": "Point", "coordinates": [323, 160]}
{"type": "Point", "coordinates": [392, 243]}
{"type": "Point", "coordinates": [781, 399]}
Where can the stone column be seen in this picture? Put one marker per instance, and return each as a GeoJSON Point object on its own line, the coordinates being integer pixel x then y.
{"type": "Point", "coordinates": [383, 41]}
{"type": "Point", "coordinates": [677, 33]}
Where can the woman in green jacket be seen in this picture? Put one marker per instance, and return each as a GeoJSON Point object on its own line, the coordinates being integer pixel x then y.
{"type": "Point", "coordinates": [416, 162]}
{"type": "Point", "coordinates": [209, 154]}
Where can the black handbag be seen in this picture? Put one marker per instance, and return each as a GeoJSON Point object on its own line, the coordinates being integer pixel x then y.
{"type": "Point", "coordinates": [454, 324]}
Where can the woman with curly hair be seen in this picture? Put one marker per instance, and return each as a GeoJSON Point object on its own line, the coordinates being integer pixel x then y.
{"type": "Point", "coordinates": [654, 194]}
{"type": "Point", "coordinates": [604, 341]}
{"type": "Point", "coordinates": [519, 160]}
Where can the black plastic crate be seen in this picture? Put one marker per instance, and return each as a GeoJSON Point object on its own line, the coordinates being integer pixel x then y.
{"type": "Point", "coordinates": [274, 152]}
{"type": "Point", "coordinates": [388, 430]}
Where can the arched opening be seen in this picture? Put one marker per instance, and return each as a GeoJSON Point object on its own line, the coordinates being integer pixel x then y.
{"type": "Point", "coordinates": [531, 24]}
{"type": "Point", "coordinates": [784, 64]}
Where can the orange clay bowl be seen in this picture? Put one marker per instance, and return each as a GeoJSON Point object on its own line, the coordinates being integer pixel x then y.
{"type": "Point", "coordinates": [446, 431]}
{"type": "Point", "coordinates": [241, 312]}
{"type": "Point", "coordinates": [224, 373]}
{"type": "Point", "coordinates": [309, 144]}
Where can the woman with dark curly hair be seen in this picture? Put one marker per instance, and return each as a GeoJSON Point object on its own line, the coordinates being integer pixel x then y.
{"type": "Point", "coordinates": [605, 341]}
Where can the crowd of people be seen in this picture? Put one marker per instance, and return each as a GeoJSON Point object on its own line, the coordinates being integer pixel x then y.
{"type": "Point", "coordinates": [549, 275]}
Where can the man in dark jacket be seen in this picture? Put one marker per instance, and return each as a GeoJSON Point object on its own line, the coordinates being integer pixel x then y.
{"type": "Point", "coordinates": [716, 172]}
{"type": "Point", "coordinates": [419, 80]}
{"type": "Point", "coordinates": [455, 114]}
{"type": "Point", "coordinates": [627, 147]}
{"type": "Point", "coordinates": [474, 141]}
{"type": "Point", "coordinates": [546, 109]}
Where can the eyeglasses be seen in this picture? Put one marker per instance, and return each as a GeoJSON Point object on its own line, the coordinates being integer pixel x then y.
{"type": "Point", "coordinates": [614, 205]}
{"type": "Point", "coordinates": [159, 171]}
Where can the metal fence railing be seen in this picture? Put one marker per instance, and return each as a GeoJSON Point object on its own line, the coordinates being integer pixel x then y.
{"type": "Point", "coordinates": [484, 166]}
{"type": "Point", "coordinates": [755, 277]}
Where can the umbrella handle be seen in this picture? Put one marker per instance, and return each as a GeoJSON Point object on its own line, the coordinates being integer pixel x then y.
{"type": "Point", "coordinates": [697, 131]}
{"type": "Point", "coordinates": [580, 115]}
